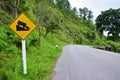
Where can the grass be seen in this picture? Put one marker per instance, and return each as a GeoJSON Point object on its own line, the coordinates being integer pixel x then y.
{"type": "Point", "coordinates": [40, 61]}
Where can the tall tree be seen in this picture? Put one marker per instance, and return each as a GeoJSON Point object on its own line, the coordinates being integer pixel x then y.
{"type": "Point", "coordinates": [81, 12]}
{"type": "Point", "coordinates": [14, 6]}
{"type": "Point", "coordinates": [54, 21]}
{"type": "Point", "coordinates": [90, 15]}
{"type": "Point", "coordinates": [85, 13]}
{"type": "Point", "coordinates": [40, 11]}
{"type": "Point", "coordinates": [74, 12]}
{"type": "Point", "coordinates": [63, 5]}
{"type": "Point", "coordinates": [47, 17]}
{"type": "Point", "coordinates": [109, 20]}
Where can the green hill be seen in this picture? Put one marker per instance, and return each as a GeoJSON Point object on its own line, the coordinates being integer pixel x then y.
{"type": "Point", "coordinates": [56, 25]}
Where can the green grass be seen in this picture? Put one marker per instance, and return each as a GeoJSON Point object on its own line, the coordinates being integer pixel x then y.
{"type": "Point", "coordinates": [40, 61]}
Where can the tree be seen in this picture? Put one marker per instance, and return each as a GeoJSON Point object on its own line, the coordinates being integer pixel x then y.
{"type": "Point", "coordinates": [109, 20]}
{"type": "Point", "coordinates": [47, 17]}
{"type": "Point", "coordinates": [90, 16]}
{"type": "Point", "coordinates": [81, 12]}
{"type": "Point", "coordinates": [40, 11]}
{"type": "Point", "coordinates": [85, 13]}
{"type": "Point", "coordinates": [54, 21]}
{"type": "Point", "coordinates": [6, 5]}
{"type": "Point", "coordinates": [14, 6]}
{"type": "Point", "coordinates": [63, 5]}
{"type": "Point", "coordinates": [74, 13]}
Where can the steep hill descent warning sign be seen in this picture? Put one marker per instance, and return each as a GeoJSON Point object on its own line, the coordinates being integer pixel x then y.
{"type": "Point", "coordinates": [22, 26]}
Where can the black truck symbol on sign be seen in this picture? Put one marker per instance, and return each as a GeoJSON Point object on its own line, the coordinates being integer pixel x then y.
{"type": "Point", "coordinates": [21, 26]}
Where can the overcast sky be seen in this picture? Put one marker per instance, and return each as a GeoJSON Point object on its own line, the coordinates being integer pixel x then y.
{"type": "Point", "coordinates": [96, 6]}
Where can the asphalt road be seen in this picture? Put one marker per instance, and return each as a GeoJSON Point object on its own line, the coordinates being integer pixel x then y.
{"type": "Point", "coordinates": [86, 63]}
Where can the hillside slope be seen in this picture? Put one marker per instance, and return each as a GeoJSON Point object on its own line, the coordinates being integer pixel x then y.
{"type": "Point", "coordinates": [40, 57]}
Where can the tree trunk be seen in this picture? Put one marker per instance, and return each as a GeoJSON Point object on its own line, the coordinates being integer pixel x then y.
{"type": "Point", "coordinates": [16, 3]}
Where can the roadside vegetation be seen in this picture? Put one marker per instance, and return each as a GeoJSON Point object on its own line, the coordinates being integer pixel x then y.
{"type": "Point", "coordinates": [109, 21]}
{"type": "Point", "coordinates": [57, 24]}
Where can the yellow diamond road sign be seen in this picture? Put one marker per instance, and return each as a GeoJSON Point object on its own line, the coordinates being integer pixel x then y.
{"type": "Point", "coordinates": [22, 26]}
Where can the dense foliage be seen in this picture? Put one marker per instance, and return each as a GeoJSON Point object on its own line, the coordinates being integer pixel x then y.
{"type": "Point", "coordinates": [109, 20]}
{"type": "Point", "coordinates": [57, 23]}
{"type": "Point", "coordinates": [85, 13]}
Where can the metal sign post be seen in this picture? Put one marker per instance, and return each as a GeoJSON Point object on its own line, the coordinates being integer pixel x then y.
{"type": "Point", "coordinates": [24, 57]}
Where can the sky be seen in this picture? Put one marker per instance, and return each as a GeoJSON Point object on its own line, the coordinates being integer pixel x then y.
{"type": "Point", "coordinates": [96, 6]}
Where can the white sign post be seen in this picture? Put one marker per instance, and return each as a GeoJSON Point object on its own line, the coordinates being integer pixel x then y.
{"type": "Point", "coordinates": [24, 57]}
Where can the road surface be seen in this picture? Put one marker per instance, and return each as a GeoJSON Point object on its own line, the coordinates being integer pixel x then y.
{"type": "Point", "coordinates": [86, 63]}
